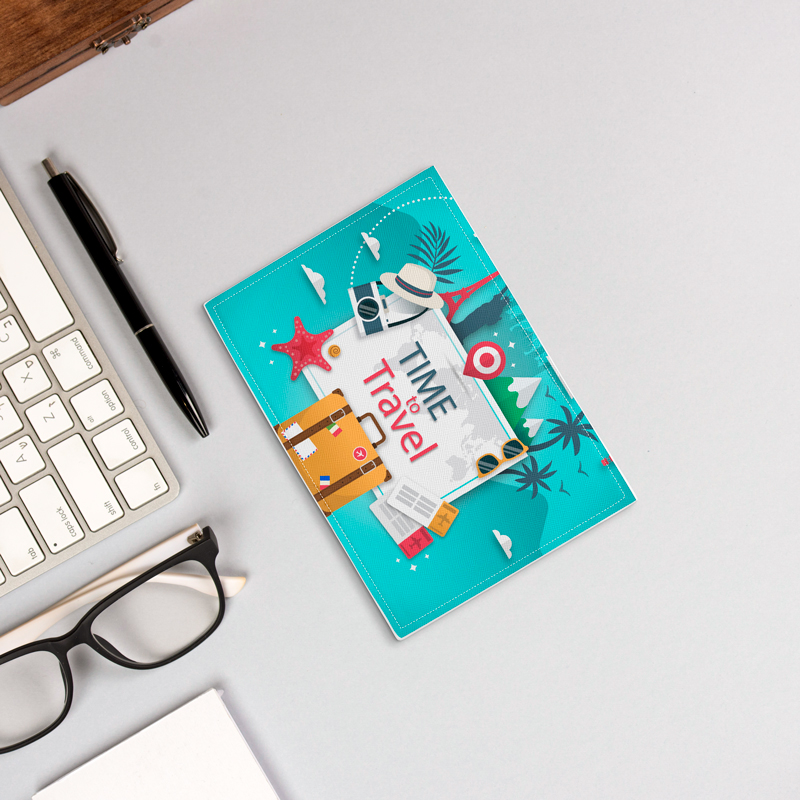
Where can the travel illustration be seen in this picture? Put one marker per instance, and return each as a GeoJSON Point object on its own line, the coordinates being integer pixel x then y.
{"type": "Point", "coordinates": [417, 405]}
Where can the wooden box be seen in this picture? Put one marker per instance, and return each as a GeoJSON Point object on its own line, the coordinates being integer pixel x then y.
{"type": "Point", "coordinates": [42, 39]}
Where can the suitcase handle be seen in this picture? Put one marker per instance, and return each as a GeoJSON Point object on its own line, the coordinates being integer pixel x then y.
{"type": "Point", "coordinates": [380, 430]}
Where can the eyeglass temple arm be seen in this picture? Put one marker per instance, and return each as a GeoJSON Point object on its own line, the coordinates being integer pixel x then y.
{"type": "Point", "coordinates": [110, 582]}
{"type": "Point", "coordinates": [144, 561]}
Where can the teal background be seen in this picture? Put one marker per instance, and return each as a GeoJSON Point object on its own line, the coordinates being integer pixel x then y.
{"type": "Point", "coordinates": [580, 491]}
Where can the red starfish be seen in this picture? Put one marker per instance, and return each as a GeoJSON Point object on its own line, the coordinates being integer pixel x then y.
{"type": "Point", "coordinates": [304, 348]}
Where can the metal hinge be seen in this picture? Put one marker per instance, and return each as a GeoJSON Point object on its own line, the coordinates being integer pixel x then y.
{"type": "Point", "coordinates": [122, 34]}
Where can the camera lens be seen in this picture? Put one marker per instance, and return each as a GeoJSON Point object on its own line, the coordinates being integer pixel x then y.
{"type": "Point", "coordinates": [368, 309]}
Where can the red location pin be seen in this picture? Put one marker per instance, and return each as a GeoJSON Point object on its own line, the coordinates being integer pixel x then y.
{"type": "Point", "coordinates": [485, 360]}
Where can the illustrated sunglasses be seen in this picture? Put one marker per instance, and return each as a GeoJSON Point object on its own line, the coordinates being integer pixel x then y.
{"type": "Point", "coordinates": [489, 463]}
{"type": "Point", "coordinates": [154, 609]}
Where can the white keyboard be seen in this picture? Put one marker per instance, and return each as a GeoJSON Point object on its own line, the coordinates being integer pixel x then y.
{"type": "Point", "coordinates": [77, 462]}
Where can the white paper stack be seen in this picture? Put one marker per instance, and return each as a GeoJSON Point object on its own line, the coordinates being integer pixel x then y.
{"type": "Point", "coordinates": [194, 753]}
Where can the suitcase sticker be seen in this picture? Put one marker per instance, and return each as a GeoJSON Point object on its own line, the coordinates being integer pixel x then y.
{"type": "Point", "coordinates": [332, 451]}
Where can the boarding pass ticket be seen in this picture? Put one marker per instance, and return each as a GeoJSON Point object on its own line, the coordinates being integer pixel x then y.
{"type": "Point", "coordinates": [408, 535]}
{"type": "Point", "coordinates": [422, 506]}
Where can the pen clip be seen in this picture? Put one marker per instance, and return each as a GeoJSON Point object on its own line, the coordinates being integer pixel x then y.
{"type": "Point", "coordinates": [95, 216]}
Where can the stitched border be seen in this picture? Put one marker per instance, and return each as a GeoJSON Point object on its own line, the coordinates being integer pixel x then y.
{"type": "Point", "coordinates": [543, 356]}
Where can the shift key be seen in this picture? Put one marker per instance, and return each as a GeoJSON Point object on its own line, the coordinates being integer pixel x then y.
{"type": "Point", "coordinates": [85, 482]}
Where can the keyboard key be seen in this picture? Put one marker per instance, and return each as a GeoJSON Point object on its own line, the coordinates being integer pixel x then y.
{"type": "Point", "coordinates": [18, 548]}
{"type": "Point", "coordinates": [52, 515]}
{"type": "Point", "coordinates": [12, 339]}
{"type": "Point", "coordinates": [21, 459]}
{"type": "Point", "coordinates": [96, 405]}
{"type": "Point", "coordinates": [119, 444]}
{"type": "Point", "coordinates": [85, 482]}
{"type": "Point", "coordinates": [49, 418]}
{"type": "Point", "coordinates": [9, 419]}
{"type": "Point", "coordinates": [72, 360]}
{"type": "Point", "coordinates": [141, 484]}
{"type": "Point", "coordinates": [27, 378]}
{"type": "Point", "coordinates": [3, 304]}
{"type": "Point", "coordinates": [5, 495]}
{"type": "Point", "coordinates": [27, 281]}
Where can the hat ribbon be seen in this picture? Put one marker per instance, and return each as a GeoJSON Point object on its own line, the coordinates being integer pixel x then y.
{"type": "Point", "coordinates": [412, 289]}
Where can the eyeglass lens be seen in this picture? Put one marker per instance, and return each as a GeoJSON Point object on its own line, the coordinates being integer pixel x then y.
{"type": "Point", "coordinates": [160, 618]}
{"type": "Point", "coordinates": [487, 463]}
{"type": "Point", "coordinates": [32, 696]}
{"type": "Point", "coordinates": [512, 449]}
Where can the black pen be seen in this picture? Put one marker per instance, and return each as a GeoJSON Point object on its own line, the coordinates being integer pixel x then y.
{"type": "Point", "coordinates": [96, 238]}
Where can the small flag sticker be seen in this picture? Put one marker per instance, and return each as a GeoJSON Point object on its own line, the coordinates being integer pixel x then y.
{"type": "Point", "coordinates": [324, 480]}
{"type": "Point", "coordinates": [334, 429]}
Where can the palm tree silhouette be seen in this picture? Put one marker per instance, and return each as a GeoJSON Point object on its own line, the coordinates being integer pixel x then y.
{"type": "Point", "coordinates": [531, 477]}
{"type": "Point", "coordinates": [566, 431]}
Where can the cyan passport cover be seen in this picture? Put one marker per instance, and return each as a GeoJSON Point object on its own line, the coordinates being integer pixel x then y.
{"type": "Point", "coordinates": [563, 485]}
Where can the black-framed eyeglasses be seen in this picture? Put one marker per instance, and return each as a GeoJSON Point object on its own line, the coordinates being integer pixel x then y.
{"type": "Point", "coordinates": [152, 616]}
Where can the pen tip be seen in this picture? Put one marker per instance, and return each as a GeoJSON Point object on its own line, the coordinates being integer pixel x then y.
{"type": "Point", "coordinates": [51, 170]}
{"type": "Point", "coordinates": [199, 423]}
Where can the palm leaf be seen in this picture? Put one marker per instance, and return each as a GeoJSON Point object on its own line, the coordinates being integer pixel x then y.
{"type": "Point", "coordinates": [424, 250]}
{"type": "Point", "coordinates": [424, 258]}
{"type": "Point", "coordinates": [432, 250]}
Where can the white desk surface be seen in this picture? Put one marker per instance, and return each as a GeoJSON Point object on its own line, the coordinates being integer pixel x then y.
{"type": "Point", "coordinates": [634, 172]}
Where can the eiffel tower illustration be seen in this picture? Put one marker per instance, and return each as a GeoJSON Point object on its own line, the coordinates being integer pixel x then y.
{"type": "Point", "coordinates": [454, 299]}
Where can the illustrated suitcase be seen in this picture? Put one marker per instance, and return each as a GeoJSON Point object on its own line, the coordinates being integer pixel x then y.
{"type": "Point", "coordinates": [332, 452]}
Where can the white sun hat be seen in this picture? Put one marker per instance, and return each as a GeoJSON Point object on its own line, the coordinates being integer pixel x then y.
{"type": "Point", "coordinates": [414, 283]}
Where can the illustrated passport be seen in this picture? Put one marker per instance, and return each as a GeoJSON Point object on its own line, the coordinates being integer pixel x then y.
{"type": "Point", "coordinates": [417, 405]}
